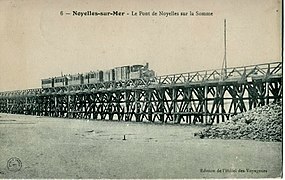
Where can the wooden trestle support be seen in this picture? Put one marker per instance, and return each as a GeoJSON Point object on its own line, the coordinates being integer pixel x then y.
{"type": "Point", "coordinates": [197, 97]}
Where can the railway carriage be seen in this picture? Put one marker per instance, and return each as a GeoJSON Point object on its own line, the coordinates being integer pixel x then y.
{"type": "Point", "coordinates": [107, 75]}
{"type": "Point", "coordinates": [86, 78]}
{"type": "Point", "coordinates": [47, 83]}
{"type": "Point", "coordinates": [76, 79]}
{"type": "Point", "coordinates": [60, 81]}
{"type": "Point", "coordinates": [118, 73]}
{"type": "Point", "coordinates": [95, 77]}
{"type": "Point", "coordinates": [123, 73]}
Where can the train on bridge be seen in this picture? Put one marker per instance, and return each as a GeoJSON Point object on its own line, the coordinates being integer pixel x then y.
{"type": "Point", "coordinates": [133, 93]}
{"type": "Point", "coordinates": [116, 74]}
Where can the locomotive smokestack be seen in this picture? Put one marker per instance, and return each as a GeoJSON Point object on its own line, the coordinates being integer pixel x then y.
{"type": "Point", "coordinates": [146, 65]}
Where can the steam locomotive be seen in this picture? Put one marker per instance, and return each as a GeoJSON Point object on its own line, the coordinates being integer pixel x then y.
{"type": "Point", "coordinates": [116, 74]}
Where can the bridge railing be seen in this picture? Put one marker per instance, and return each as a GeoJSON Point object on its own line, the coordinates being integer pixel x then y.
{"type": "Point", "coordinates": [267, 70]}
{"type": "Point", "coordinates": [25, 92]}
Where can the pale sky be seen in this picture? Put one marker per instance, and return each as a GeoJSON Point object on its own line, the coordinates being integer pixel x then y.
{"type": "Point", "coordinates": [37, 42]}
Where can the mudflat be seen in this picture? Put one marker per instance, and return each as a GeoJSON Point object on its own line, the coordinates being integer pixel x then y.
{"type": "Point", "coordinates": [78, 148]}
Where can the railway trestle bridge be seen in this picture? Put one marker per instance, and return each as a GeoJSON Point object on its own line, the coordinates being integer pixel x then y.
{"type": "Point", "coordinates": [207, 97]}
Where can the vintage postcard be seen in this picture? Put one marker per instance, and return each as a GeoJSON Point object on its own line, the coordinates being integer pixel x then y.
{"type": "Point", "coordinates": [131, 89]}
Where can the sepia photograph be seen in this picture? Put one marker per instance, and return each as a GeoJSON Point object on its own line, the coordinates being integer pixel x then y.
{"type": "Point", "coordinates": [131, 89]}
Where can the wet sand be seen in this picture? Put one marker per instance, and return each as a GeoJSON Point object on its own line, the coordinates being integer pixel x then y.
{"type": "Point", "coordinates": [72, 148]}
